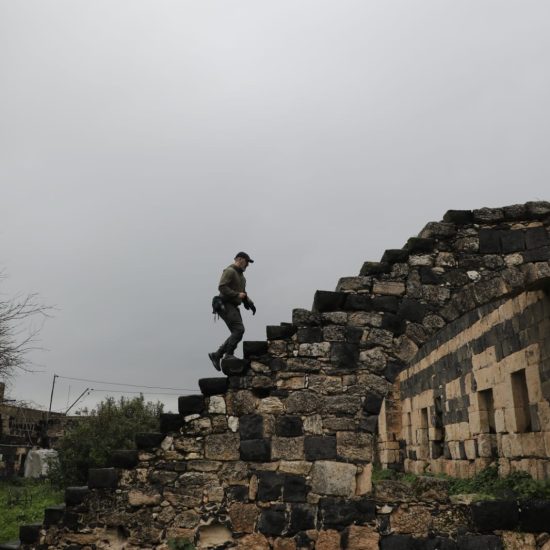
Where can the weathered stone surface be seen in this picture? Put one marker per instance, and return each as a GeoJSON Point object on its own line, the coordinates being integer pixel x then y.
{"type": "Point", "coordinates": [341, 404]}
{"type": "Point", "coordinates": [361, 537]}
{"type": "Point", "coordinates": [305, 402]}
{"type": "Point", "coordinates": [213, 536]}
{"type": "Point", "coordinates": [221, 446]}
{"type": "Point", "coordinates": [255, 450]}
{"type": "Point", "coordinates": [243, 517]}
{"type": "Point", "coordinates": [355, 446]}
{"type": "Point", "coordinates": [415, 520]}
{"type": "Point", "coordinates": [319, 447]}
{"type": "Point", "coordinates": [141, 498]}
{"type": "Point", "coordinates": [254, 541]}
{"type": "Point", "coordinates": [287, 448]}
{"type": "Point", "coordinates": [333, 478]}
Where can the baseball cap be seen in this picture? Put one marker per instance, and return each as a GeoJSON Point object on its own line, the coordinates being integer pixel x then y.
{"type": "Point", "coordinates": [245, 256]}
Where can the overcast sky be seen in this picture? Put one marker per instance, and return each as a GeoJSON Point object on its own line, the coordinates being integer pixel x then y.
{"type": "Point", "coordinates": [142, 144]}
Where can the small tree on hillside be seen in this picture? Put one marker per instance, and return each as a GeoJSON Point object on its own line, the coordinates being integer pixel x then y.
{"type": "Point", "coordinates": [89, 441]}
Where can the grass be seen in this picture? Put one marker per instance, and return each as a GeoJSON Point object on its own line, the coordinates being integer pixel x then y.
{"type": "Point", "coordinates": [23, 501]}
{"type": "Point", "coordinates": [486, 483]}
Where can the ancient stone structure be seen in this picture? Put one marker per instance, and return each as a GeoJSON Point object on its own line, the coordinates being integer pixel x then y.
{"type": "Point", "coordinates": [433, 359]}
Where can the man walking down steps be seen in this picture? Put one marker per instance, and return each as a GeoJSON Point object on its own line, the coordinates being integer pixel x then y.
{"type": "Point", "coordinates": [232, 289]}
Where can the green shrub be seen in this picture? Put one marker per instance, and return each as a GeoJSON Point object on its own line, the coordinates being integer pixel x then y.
{"type": "Point", "coordinates": [180, 544]}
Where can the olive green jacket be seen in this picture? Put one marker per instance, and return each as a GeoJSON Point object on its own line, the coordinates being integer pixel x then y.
{"type": "Point", "coordinates": [232, 282]}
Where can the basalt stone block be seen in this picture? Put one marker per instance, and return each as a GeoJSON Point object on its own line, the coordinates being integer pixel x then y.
{"type": "Point", "coordinates": [344, 355]}
{"type": "Point", "coordinates": [70, 521]}
{"type": "Point", "coordinates": [537, 254]}
{"type": "Point", "coordinates": [320, 447]}
{"type": "Point", "coordinates": [374, 268]}
{"type": "Point", "coordinates": [273, 521]}
{"type": "Point", "coordinates": [148, 440]}
{"type": "Point", "coordinates": [54, 515]}
{"type": "Point", "coordinates": [190, 404]}
{"type": "Point", "coordinates": [102, 478]}
{"type": "Point", "coordinates": [170, 422]}
{"type": "Point", "coordinates": [479, 542]}
{"type": "Point", "coordinates": [254, 349]}
{"type": "Point", "coordinates": [304, 317]}
{"type": "Point", "coordinates": [124, 458]}
{"type": "Point", "coordinates": [369, 424]}
{"type": "Point", "coordinates": [534, 516]}
{"type": "Point", "coordinates": [289, 426]}
{"type": "Point", "coordinates": [492, 515]}
{"type": "Point", "coordinates": [394, 323]}
{"type": "Point", "coordinates": [302, 518]}
{"type": "Point", "coordinates": [75, 495]}
{"type": "Point", "coordinates": [428, 276]}
{"type": "Point", "coordinates": [412, 310]}
{"type": "Point", "coordinates": [234, 367]}
{"type": "Point", "coordinates": [460, 217]}
{"type": "Point", "coordinates": [270, 486]}
{"type": "Point", "coordinates": [420, 245]}
{"type": "Point", "coordinates": [214, 386]}
{"type": "Point", "coordinates": [397, 542]}
{"type": "Point", "coordinates": [251, 426]}
{"type": "Point", "coordinates": [353, 335]}
{"type": "Point", "coordinates": [398, 255]}
{"type": "Point", "coordinates": [391, 371]}
{"type": "Point", "coordinates": [294, 488]}
{"type": "Point", "coordinates": [435, 543]}
{"type": "Point", "coordinates": [328, 301]}
{"type": "Point", "coordinates": [489, 241]}
{"type": "Point", "coordinates": [372, 403]}
{"type": "Point", "coordinates": [358, 302]}
{"type": "Point", "coordinates": [256, 450]}
{"type": "Point", "coordinates": [537, 209]}
{"type": "Point", "coordinates": [238, 493]}
{"type": "Point", "coordinates": [30, 534]}
{"type": "Point", "coordinates": [488, 215]}
{"type": "Point", "coordinates": [536, 237]}
{"type": "Point", "coordinates": [385, 303]}
{"type": "Point", "coordinates": [337, 513]}
{"type": "Point", "coordinates": [512, 241]}
{"type": "Point", "coordinates": [281, 332]}
{"type": "Point", "coordinates": [309, 335]}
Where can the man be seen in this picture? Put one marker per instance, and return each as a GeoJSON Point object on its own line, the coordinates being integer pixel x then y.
{"type": "Point", "coordinates": [232, 289]}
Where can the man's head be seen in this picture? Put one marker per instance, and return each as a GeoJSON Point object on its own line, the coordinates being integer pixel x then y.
{"type": "Point", "coordinates": [242, 259]}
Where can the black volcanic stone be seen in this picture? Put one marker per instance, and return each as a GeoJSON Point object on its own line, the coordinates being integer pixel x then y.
{"type": "Point", "coordinates": [102, 478]}
{"type": "Point", "coordinates": [238, 493]}
{"type": "Point", "coordinates": [428, 276]}
{"type": "Point", "coordinates": [337, 513]}
{"type": "Point", "coordinates": [353, 334]}
{"type": "Point", "coordinates": [460, 217]}
{"type": "Point", "coordinates": [270, 486]}
{"type": "Point", "coordinates": [385, 303]}
{"type": "Point", "coordinates": [254, 349]}
{"type": "Point", "coordinates": [512, 241]}
{"type": "Point", "coordinates": [281, 332]}
{"type": "Point", "coordinates": [397, 542]}
{"type": "Point", "coordinates": [435, 543]}
{"type": "Point", "coordinates": [214, 386]}
{"type": "Point", "coordinates": [272, 521]}
{"type": "Point", "coordinates": [190, 404]}
{"type": "Point", "coordinates": [492, 515]}
{"type": "Point", "coordinates": [256, 450]}
{"type": "Point", "coordinates": [391, 371]}
{"type": "Point", "coordinates": [289, 426]}
{"type": "Point", "coordinates": [344, 355]}
{"type": "Point", "coordinates": [489, 241]}
{"type": "Point", "coordinates": [374, 268]}
{"type": "Point", "coordinates": [372, 403]}
{"type": "Point", "coordinates": [170, 422]}
{"type": "Point", "coordinates": [397, 255]}
{"type": "Point", "coordinates": [534, 516]}
{"type": "Point", "coordinates": [308, 335]}
{"type": "Point", "coordinates": [302, 518]}
{"type": "Point", "coordinates": [75, 495]}
{"type": "Point", "coordinates": [294, 488]}
{"type": "Point", "coordinates": [412, 310]}
{"type": "Point", "coordinates": [147, 440]}
{"type": "Point", "coordinates": [358, 302]}
{"type": "Point", "coordinates": [124, 458]}
{"type": "Point", "coordinates": [30, 534]}
{"type": "Point", "coordinates": [394, 323]}
{"type": "Point", "coordinates": [537, 254]}
{"type": "Point", "coordinates": [251, 426]}
{"type": "Point", "coordinates": [54, 515]}
{"type": "Point", "coordinates": [479, 542]}
{"type": "Point", "coordinates": [420, 244]}
{"type": "Point", "coordinates": [234, 367]}
{"type": "Point", "coordinates": [536, 237]}
{"type": "Point", "coordinates": [325, 301]}
{"type": "Point", "coordinates": [369, 424]}
{"type": "Point", "coordinates": [320, 447]}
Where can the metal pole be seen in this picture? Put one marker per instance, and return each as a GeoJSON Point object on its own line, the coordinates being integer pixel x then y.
{"type": "Point", "coordinates": [51, 399]}
{"type": "Point", "coordinates": [77, 400]}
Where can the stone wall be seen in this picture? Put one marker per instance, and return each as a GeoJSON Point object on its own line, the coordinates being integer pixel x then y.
{"type": "Point", "coordinates": [278, 454]}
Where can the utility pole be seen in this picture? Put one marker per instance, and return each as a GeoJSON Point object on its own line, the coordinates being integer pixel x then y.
{"type": "Point", "coordinates": [78, 399]}
{"type": "Point", "coordinates": [51, 399]}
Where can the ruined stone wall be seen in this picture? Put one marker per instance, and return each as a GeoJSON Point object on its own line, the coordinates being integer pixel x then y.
{"type": "Point", "coordinates": [479, 392]}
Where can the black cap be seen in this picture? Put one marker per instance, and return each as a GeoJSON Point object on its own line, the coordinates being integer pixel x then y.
{"type": "Point", "coordinates": [245, 256]}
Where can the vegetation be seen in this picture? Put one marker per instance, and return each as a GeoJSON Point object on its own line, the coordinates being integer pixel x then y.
{"type": "Point", "coordinates": [88, 443]}
{"type": "Point", "coordinates": [180, 544]}
{"type": "Point", "coordinates": [487, 484]}
{"type": "Point", "coordinates": [24, 501]}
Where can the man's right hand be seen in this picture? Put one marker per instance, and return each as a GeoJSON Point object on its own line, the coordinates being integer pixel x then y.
{"type": "Point", "coordinates": [242, 295]}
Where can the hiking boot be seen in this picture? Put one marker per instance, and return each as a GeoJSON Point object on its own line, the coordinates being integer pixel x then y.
{"type": "Point", "coordinates": [215, 358]}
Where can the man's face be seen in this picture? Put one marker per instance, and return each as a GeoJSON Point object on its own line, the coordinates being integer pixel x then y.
{"type": "Point", "coordinates": [242, 263]}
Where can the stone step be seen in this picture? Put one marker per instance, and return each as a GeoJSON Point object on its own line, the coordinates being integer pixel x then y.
{"type": "Point", "coordinates": [213, 386]}
{"type": "Point", "coordinates": [75, 495]}
{"type": "Point", "coordinates": [325, 301]}
{"type": "Point", "coordinates": [374, 268]}
{"type": "Point", "coordinates": [170, 422]}
{"type": "Point", "coordinates": [395, 255]}
{"type": "Point", "coordinates": [54, 515]}
{"type": "Point", "coordinates": [102, 478]}
{"type": "Point", "coordinates": [148, 440]}
{"type": "Point", "coordinates": [190, 404]}
{"type": "Point", "coordinates": [254, 349]}
{"type": "Point", "coordinates": [124, 458]}
{"type": "Point", "coordinates": [30, 533]}
{"type": "Point", "coordinates": [280, 332]}
{"type": "Point", "coordinates": [12, 545]}
{"type": "Point", "coordinates": [234, 367]}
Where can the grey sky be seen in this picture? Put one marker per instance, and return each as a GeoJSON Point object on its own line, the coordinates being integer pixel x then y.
{"type": "Point", "coordinates": [142, 144]}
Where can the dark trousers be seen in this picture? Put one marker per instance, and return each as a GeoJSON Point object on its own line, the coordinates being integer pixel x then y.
{"type": "Point", "coordinates": [233, 320]}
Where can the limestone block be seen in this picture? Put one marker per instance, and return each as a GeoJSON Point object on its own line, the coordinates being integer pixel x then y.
{"type": "Point", "coordinates": [299, 467]}
{"type": "Point", "coordinates": [241, 402]}
{"type": "Point", "coordinates": [305, 402]}
{"type": "Point", "coordinates": [216, 405]}
{"type": "Point", "coordinates": [362, 537]}
{"type": "Point", "coordinates": [284, 544]}
{"type": "Point", "coordinates": [287, 448]}
{"type": "Point", "coordinates": [333, 478]}
{"type": "Point", "coordinates": [355, 446]}
{"type": "Point", "coordinates": [233, 423]}
{"type": "Point", "coordinates": [389, 288]}
{"type": "Point", "coordinates": [364, 480]}
{"type": "Point", "coordinates": [292, 383]}
{"type": "Point", "coordinates": [188, 519]}
{"type": "Point", "coordinates": [362, 318]}
{"type": "Point", "coordinates": [255, 541]}
{"type": "Point", "coordinates": [270, 405]}
{"type": "Point", "coordinates": [141, 498]}
{"type": "Point", "coordinates": [222, 446]}
{"type": "Point", "coordinates": [243, 517]}
{"type": "Point", "coordinates": [374, 359]}
{"type": "Point", "coordinates": [328, 540]}
{"type": "Point", "coordinates": [193, 486]}
{"type": "Point", "coordinates": [316, 349]}
{"type": "Point", "coordinates": [313, 424]}
{"type": "Point", "coordinates": [213, 536]}
{"type": "Point", "coordinates": [414, 520]}
{"type": "Point", "coordinates": [177, 533]}
{"type": "Point", "coordinates": [470, 449]}
{"type": "Point", "coordinates": [513, 540]}
{"type": "Point", "coordinates": [325, 384]}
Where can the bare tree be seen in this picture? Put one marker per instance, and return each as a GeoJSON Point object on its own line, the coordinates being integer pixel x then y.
{"type": "Point", "coordinates": [18, 332]}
